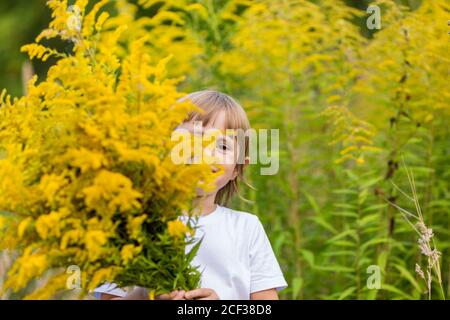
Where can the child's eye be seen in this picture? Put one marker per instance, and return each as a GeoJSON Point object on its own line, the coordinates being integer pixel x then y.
{"type": "Point", "coordinates": [222, 146]}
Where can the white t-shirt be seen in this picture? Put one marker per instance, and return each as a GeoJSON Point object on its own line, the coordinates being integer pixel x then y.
{"type": "Point", "coordinates": [235, 257]}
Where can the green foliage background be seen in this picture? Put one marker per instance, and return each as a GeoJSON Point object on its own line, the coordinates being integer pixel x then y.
{"type": "Point", "coordinates": [350, 103]}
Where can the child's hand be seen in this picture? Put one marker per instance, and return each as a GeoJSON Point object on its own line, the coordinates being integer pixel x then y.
{"type": "Point", "coordinates": [202, 294]}
{"type": "Point", "coordinates": [174, 295]}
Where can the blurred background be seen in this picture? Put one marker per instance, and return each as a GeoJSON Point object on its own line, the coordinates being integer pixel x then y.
{"type": "Point", "coordinates": [22, 20]}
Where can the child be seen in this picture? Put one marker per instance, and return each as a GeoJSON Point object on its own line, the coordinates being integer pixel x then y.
{"type": "Point", "coordinates": [235, 257]}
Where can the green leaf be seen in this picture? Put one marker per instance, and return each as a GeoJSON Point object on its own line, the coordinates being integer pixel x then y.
{"type": "Point", "coordinates": [350, 253]}
{"type": "Point", "coordinates": [308, 256]}
{"type": "Point", "coordinates": [193, 252]}
{"type": "Point", "coordinates": [372, 242]}
{"type": "Point", "coordinates": [371, 182]}
{"type": "Point", "coordinates": [348, 214]}
{"type": "Point", "coordinates": [375, 217]}
{"type": "Point", "coordinates": [372, 294]}
{"type": "Point", "coordinates": [375, 207]}
{"type": "Point", "coordinates": [345, 191]}
{"type": "Point", "coordinates": [336, 268]}
{"type": "Point", "coordinates": [278, 243]}
{"type": "Point", "coordinates": [322, 222]}
{"type": "Point", "coordinates": [297, 284]}
{"type": "Point", "coordinates": [347, 233]}
{"type": "Point", "coordinates": [311, 201]}
{"type": "Point", "coordinates": [346, 293]}
{"type": "Point", "coordinates": [362, 196]}
{"type": "Point", "coordinates": [382, 260]}
{"type": "Point", "coordinates": [390, 288]}
{"type": "Point", "coordinates": [346, 206]}
{"type": "Point", "coordinates": [408, 276]}
{"type": "Point", "coordinates": [344, 243]}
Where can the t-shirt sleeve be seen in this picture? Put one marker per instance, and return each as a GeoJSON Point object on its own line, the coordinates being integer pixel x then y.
{"type": "Point", "coordinates": [265, 271]}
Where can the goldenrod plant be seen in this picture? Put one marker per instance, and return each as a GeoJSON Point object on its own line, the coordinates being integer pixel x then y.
{"type": "Point", "coordinates": [86, 177]}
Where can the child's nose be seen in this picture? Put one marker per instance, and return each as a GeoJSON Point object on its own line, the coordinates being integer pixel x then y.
{"type": "Point", "coordinates": [209, 152]}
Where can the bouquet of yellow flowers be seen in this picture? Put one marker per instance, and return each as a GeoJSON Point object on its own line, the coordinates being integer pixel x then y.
{"type": "Point", "coordinates": [86, 176]}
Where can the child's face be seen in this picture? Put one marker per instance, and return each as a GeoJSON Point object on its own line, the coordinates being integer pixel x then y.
{"type": "Point", "coordinates": [224, 150]}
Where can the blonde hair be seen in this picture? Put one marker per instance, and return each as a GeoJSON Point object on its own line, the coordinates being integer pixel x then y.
{"type": "Point", "coordinates": [212, 102]}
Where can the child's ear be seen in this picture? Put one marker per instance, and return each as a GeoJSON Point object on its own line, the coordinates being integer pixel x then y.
{"type": "Point", "coordinates": [246, 161]}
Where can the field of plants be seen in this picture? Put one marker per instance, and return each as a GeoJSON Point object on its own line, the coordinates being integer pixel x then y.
{"type": "Point", "coordinates": [360, 205]}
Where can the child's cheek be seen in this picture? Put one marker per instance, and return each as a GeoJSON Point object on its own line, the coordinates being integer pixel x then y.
{"type": "Point", "coordinates": [226, 176]}
{"type": "Point", "coordinates": [226, 158]}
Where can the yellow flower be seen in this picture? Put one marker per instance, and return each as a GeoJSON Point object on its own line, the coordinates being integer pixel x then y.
{"type": "Point", "coordinates": [49, 224]}
{"type": "Point", "coordinates": [94, 241]}
{"type": "Point", "coordinates": [134, 225]}
{"type": "Point", "coordinates": [101, 275]}
{"type": "Point", "coordinates": [50, 185]}
{"type": "Point", "coordinates": [177, 229]}
{"type": "Point", "coordinates": [55, 284]}
{"type": "Point", "coordinates": [85, 159]}
{"type": "Point", "coordinates": [26, 268]}
{"type": "Point", "coordinates": [23, 225]}
{"type": "Point", "coordinates": [70, 237]}
{"type": "Point", "coordinates": [2, 222]}
{"type": "Point", "coordinates": [85, 153]}
{"type": "Point", "coordinates": [113, 189]}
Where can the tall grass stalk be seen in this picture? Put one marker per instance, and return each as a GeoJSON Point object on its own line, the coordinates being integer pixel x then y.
{"type": "Point", "coordinates": [426, 241]}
